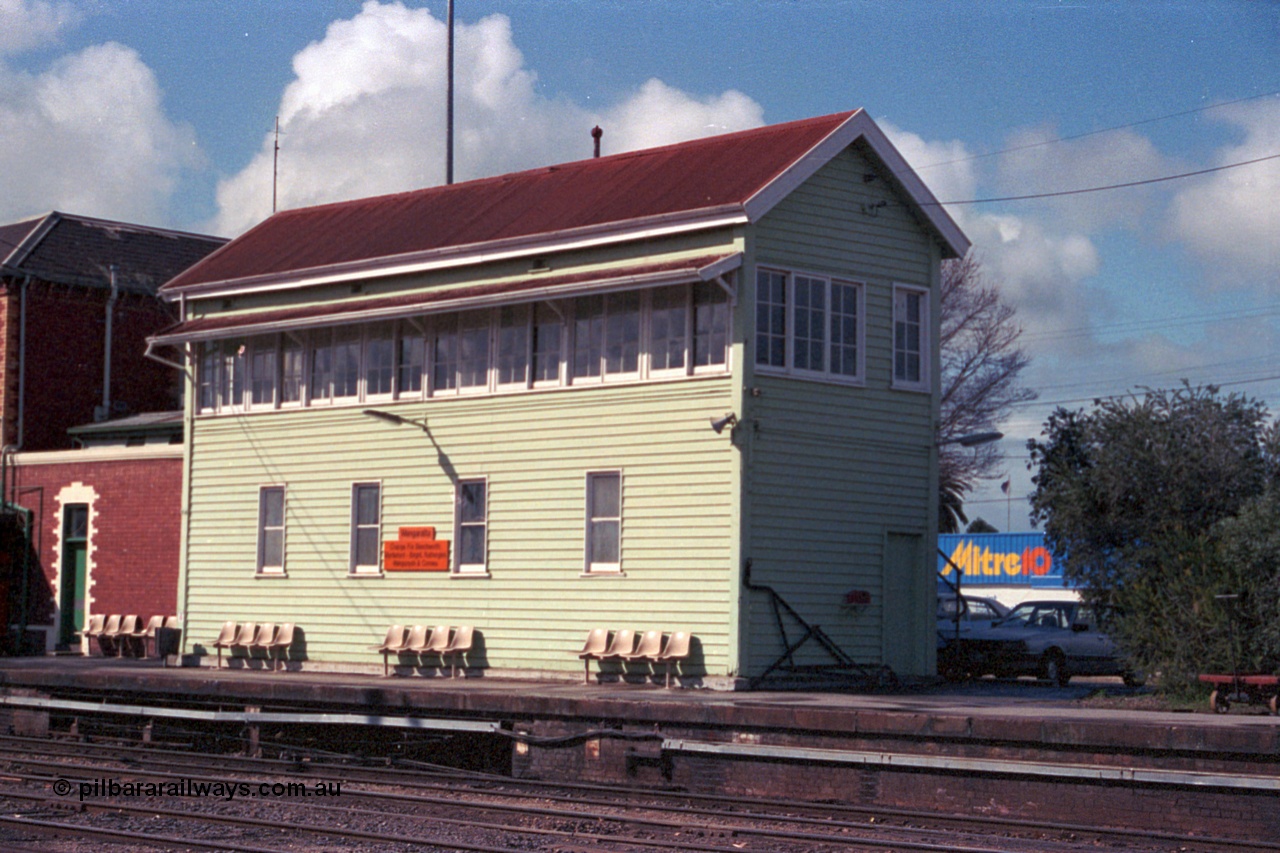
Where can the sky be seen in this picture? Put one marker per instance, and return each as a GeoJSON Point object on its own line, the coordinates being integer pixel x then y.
{"type": "Point", "coordinates": [163, 112]}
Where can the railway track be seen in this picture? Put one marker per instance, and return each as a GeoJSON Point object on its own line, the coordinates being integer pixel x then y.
{"type": "Point", "coordinates": [424, 807]}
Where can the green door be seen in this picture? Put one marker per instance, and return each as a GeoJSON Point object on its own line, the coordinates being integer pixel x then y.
{"type": "Point", "coordinates": [75, 552]}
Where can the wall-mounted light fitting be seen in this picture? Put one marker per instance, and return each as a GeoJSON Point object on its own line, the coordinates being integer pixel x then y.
{"type": "Point", "coordinates": [973, 439]}
{"type": "Point", "coordinates": [729, 420]}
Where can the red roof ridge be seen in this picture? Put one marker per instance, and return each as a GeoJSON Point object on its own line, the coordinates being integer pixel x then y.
{"type": "Point", "coordinates": [834, 119]}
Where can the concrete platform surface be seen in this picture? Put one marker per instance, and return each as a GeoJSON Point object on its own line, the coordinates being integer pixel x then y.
{"type": "Point", "coordinates": [1011, 711]}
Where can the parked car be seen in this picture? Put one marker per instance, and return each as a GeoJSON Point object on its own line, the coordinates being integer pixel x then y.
{"type": "Point", "coordinates": [972, 609]}
{"type": "Point", "coordinates": [956, 617]}
{"type": "Point", "coordinates": [1052, 640]}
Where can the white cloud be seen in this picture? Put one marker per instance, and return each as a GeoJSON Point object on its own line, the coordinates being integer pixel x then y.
{"type": "Point", "coordinates": [1231, 218]}
{"type": "Point", "coordinates": [89, 136]}
{"type": "Point", "coordinates": [26, 24]}
{"type": "Point", "coordinates": [1036, 163]}
{"type": "Point", "coordinates": [365, 114]}
{"type": "Point", "coordinates": [1038, 266]}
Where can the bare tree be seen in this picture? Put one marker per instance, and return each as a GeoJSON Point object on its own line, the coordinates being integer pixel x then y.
{"type": "Point", "coordinates": [981, 367]}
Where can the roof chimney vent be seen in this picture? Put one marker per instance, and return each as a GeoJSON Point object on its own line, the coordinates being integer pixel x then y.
{"type": "Point", "coordinates": [596, 133]}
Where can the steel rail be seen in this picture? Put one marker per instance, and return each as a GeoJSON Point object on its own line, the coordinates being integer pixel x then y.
{"type": "Point", "coordinates": [257, 823]}
{"type": "Point", "coordinates": [401, 778]}
{"type": "Point", "coordinates": [736, 829]}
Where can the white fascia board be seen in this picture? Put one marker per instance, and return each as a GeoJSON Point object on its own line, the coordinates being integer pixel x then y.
{"type": "Point", "coordinates": [101, 453]}
{"type": "Point", "coordinates": [604, 284]}
{"type": "Point", "coordinates": [861, 125]}
{"type": "Point", "coordinates": [471, 254]}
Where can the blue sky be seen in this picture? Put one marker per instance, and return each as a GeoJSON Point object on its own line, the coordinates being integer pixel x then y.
{"type": "Point", "coordinates": [160, 111]}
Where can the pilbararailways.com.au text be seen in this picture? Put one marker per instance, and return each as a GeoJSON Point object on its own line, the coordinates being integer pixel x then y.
{"type": "Point", "coordinates": [192, 788]}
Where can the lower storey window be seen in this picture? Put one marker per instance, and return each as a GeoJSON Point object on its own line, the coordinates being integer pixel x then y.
{"type": "Point", "coordinates": [471, 522]}
{"type": "Point", "coordinates": [366, 527]}
{"type": "Point", "coordinates": [604, 521]}
{"type": "Point", "coordinates": [271, 530]}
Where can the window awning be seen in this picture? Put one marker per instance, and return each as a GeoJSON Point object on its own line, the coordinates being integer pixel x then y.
{"type": "Point", "coordinates": [535, 287]}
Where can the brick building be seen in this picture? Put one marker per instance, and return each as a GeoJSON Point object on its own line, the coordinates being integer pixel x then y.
{"type": "Point", "coordinates": [105, 526]}
{"type": "Point", "coordinates": [73, 289]}
{"type": "Point", "coordinates": [91, 530]}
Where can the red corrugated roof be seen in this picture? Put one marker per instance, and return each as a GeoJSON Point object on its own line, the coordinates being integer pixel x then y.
{"type": "Point", "coordinates": [675, 179]}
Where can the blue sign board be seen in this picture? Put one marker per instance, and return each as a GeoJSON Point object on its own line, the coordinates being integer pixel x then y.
{"type": "Point", "coordinates": [1019, 559]}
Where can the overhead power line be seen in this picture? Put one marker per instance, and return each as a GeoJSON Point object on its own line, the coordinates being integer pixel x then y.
{"type": "Point", "coordinates": [1075, 136]}
{"type": "Point", "coordinates": [1111, 186]}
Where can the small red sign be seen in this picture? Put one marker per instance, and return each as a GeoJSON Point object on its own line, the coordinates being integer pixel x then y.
{"type": "Point", "coordinates": [417, 550]}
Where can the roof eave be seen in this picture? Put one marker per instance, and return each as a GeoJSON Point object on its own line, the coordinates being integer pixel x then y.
{"type": "Point", "coordinates": [604, 284]}
{"type": "Point", "coordinates": [721, 216]}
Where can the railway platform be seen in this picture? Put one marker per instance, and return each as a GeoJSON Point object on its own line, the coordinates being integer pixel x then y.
{"type": "Point", "coordinates": [1014, 749]}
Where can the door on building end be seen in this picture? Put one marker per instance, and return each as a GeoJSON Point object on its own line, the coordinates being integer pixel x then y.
{"type": "Point", "coordinates": [906, 623]}
{"type": "Point", "coordinates": [75, 557]}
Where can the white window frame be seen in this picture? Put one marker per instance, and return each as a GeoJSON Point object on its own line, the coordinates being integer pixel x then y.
{"type": "Point", "coordinates": [724, 365]}
{"type": "Point", "coordinates": [367, 337]}
{"type": "Point", "coordinates": [301, 343]}
{"type": "Point", "coordinates": [646, 334]}
{"type": "Point", "coordinates": [459, 567]}
{"type": "Point", "coordinates": [829, 283]}
{"type": "Point", "coordinates": [412, 328]}
{"type": "Point", "coordinates": [924, 383]}
{"type": "Point", "coordinates": [559, 310]}
{"type": "Point", "coordinates": [355, 567]}
{"type": "Point", "coordinates": [591, 567]}
{"type": "Point", "coordinates": [495, 353]}
{"type": "Point", "coordinates": [263, 568]}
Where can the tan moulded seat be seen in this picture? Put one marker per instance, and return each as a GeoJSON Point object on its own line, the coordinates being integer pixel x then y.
{"type": "Point", "coordinates": [596, 644]}
{"type": "Point", "coordinates": [648, 648]}
{"type": "Point", "coordinates": [264, 639]}
{"type": "Point", "coordinates": [393, 642]}
{"type": "Point", "coordinates": [244, 637]}
{"type": "Point", "coordinates": [677, 650]}
{"type": "Point", "coordinates": [226, 637]}
{"type": "Point", "coordinates": [283, 641]}
{"type": "Point", "coordinates": [154, 624]}
{"type": "Point", "coordinates": [458, 647]}
{"type": "Point", "coordinates": [93, 631]}
{"type": "Point", "coordinates": [437, 642]}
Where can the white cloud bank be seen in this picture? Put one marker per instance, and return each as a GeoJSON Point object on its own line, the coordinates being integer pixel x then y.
{"type": "Point", "coordinates": [365, 115]}
{"type": "Point", "coordinates": [89, 135]}
{"type": "Point", "coordinates": [1231, 218]}
{"type": "Point", "coordinates": [25, 24]}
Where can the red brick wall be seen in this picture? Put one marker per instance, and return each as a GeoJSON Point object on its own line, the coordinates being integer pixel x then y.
{"type": "Point", "coordinates": [8, 360]}
{"type": "Point", "coordinates": [65, 337]}
{"type": "Point", "coordinates": [134, 529]}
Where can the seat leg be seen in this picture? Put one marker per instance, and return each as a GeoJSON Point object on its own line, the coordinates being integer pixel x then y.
{"type": "Point", "coordinates": [586, 670]}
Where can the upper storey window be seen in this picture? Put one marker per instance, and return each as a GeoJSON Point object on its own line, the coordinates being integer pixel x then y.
{"type": "Point", "coordinates": [809, 325]}
{"type": "Point", "coordinates": [910, 338]}
{"type": "Point", "coordinates": [667, 332]}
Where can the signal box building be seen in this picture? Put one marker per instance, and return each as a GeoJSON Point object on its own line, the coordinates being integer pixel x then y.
{"type": "Point", "coordinates": [666, 389]}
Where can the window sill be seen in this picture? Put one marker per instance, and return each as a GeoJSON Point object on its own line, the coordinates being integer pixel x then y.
{"type": "Point", "coordinates": [366, 574]}
{"type": "Point", "coordinates": [470, 574]}
{"type": "Point", "coordinates": [812, 376]}
{"type": "Point", "coordinates": [912, 388]}
{"type": "Point", "coordinates": [604, 573]}
{"type": "Point", "coordinates": [280, 574]}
